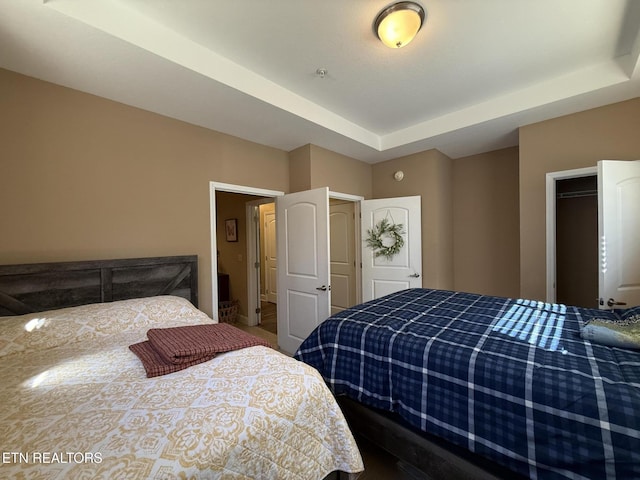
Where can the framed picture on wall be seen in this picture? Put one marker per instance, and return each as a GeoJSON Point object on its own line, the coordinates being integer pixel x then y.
{"type": "Point", "coordinates": [231, 229]}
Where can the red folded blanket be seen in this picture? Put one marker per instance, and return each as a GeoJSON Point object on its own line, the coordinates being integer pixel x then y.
{"type": "Point", "coordinates": [176, 348]}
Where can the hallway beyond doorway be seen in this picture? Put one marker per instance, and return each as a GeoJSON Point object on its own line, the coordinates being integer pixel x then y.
{"type": "Point", "coordinates": [268, 317]}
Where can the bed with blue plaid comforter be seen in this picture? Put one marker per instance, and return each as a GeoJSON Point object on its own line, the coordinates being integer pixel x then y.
{"type": "Point", "coordinates": [509, 379]}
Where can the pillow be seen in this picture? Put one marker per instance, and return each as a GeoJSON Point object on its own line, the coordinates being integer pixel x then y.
{"type": "Point", "coordinates": [53, 328]}
{"type": "Point", "coordinates": [623, 333]}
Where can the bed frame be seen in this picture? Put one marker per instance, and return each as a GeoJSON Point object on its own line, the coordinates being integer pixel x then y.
{"type": "Point", "coordinates": [36, 287]}
{"type": "Point", "coordinates": [421, 456]}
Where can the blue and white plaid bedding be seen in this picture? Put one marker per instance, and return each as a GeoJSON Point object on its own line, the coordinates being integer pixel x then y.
{"type": "Point", "coordinates": [508, 379]}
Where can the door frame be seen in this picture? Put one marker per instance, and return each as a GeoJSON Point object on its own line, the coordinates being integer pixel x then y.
{"type": "Point", "coordinates": [232, 188]}
{"type": "Point", "coordinates": [356, 199]}
{"type": "Point", "coordinates": [253, 277]}
{"type": "Point", "coordinates": [270, 195]}
{"type": "Point", "coordinates": [551, 179]}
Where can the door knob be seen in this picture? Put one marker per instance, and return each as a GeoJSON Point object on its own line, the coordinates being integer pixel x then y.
{"type": "Point", "coordinates": [324, 288]}
{"type": "Point", "coordinates": [415, 275]}
{"type": "Point", "coordinates": [611, 302]}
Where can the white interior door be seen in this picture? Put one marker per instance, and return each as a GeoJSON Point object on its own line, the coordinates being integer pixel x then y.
{"type": "Point", "coordinates": [380, 275]}
{"type": "Point", "coordinates": [304, 292]}
{"type": "Point", "coordinates": [619, 232]}
{"type": "Point", "coordinates": [343, 248]}
{"type": "Point", "coordinates": [271, 257]}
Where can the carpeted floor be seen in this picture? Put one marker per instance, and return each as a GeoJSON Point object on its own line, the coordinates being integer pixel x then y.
{"type": "Point", "coordinates": [262, 333]}
{"type": "Point", "coordinates": [268, 316]}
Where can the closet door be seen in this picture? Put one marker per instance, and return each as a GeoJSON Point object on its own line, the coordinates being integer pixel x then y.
{"type": "Point", "coordinates": [619, 231]}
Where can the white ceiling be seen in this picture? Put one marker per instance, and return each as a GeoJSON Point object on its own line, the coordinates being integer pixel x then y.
{"type": "Point", "coordinates": [477, 71]}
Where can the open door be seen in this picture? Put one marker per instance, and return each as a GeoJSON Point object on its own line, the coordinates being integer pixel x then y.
{"type": "Point", "coordinates": [342, 248]}
{"type": "Point", "coordinates": [304, 289]}
{"type": "Point", "coordinates": [619, 233]}
{"type": "Point", "coordinates": [270, 255]}
{"type": "Point", "coordinates": [382, 275]}
{"type": "Point", "coordinates": [304, 292]}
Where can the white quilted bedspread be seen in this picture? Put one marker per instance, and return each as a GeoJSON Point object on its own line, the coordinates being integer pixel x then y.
{"type": "Point", "coordinates": [75, 403]}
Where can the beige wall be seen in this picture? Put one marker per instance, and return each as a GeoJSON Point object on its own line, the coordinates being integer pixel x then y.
{"type": "Point", "coordinates": [430, 175]}
{"type": "Point", "coordinates": [486, 223]}
{"type": "Point", "coordinates": [86, 178]}
{"type": "Point", "coordinates": [565, 143]}
{"type": "Point", "coordinates": [300, 169]}
{"type": "Point", "coordinates": [316, 167]}
{"type": "Point", "coordinates": [340, 173]}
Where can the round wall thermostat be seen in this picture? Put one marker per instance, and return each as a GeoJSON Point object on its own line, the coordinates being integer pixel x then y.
{"type": "Point", "coordinates": [399, 175]}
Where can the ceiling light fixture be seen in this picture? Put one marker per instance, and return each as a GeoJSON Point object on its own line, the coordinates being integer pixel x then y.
{"type": "Point", "coordinates": [399, 23]}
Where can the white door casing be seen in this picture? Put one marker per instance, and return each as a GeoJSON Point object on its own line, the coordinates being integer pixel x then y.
{"type": "Point", "coordinates": [619, 232]}
{"type": "Point", "coordinates": [382, 276]}
{"type": "Point", "coordinates": [252, 278]}
{"type": "Point", "coordinates": [304, 292]}
{"type": "Point", "coordinates": [342, 253]}
{"type": "Point", "coordinates": [551, 205]}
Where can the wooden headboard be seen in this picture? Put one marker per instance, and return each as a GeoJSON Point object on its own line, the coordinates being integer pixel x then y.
{"type": "Point", "coordinates": [36, 287]}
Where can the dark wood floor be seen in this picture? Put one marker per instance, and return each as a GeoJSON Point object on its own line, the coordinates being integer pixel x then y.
{"type": "Point", "coordinates": [381, 465]}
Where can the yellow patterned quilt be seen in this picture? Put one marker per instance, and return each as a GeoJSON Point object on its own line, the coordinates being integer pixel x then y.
{"type": "Point", "coordinates": [75, 403]}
